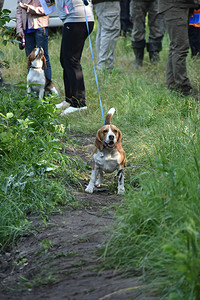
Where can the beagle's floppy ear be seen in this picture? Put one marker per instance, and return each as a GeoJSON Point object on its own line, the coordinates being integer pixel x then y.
{"type": "Point", "coordinates": [44, 62]}
{"type": "Point", "coordinates": [31, 58]}
{"type": "Point", "coordinates": [119, 136]}
{"type": "Point", "coordinates": [29, 61]}
{"type": "Point", "coordinates": [118, 144]}
{"type": "Point", "coordinates": [98, 143]}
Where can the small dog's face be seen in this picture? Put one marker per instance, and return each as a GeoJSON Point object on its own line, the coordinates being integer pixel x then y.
{"type": "Point", "coordinates": [108, 136]}
{"type": "Point", "coordinates": [37, 54]}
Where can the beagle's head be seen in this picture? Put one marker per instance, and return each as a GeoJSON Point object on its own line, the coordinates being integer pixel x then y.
{"type": "Point", "coordinates": [109, 136]}
{"type": "Point", "coordinates": [37, 59]}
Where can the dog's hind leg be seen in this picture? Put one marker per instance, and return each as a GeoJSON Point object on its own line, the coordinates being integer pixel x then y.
{"type": "Point", "coordinates": [121, 188]}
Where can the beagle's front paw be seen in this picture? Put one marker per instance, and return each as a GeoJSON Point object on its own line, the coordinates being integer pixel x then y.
{"type": "Point", "coordinates": [89, 189]}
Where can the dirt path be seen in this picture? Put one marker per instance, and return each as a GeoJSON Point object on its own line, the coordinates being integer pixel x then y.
{"type": "Point", "coordinates": [61, 261]}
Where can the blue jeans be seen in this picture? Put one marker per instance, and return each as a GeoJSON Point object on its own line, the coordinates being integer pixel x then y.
{"type": "Point", "coordinates": [39, 38]}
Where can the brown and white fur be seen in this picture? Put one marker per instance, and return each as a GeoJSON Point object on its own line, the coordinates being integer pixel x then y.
{"type": "Point", "coordinates": [108, 155]}
{"type": "Point", "coordinates": [36, 79]}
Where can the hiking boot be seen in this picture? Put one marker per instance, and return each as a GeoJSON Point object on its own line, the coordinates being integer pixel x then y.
{"type": "Point", "coordinates": [139, 56]}
{"type": "Point", "coordinates": [153, 56]}
{"type": "Point", "coordinates": [185, 91]}
{"type": "Point", "coordinates": [138, 48]}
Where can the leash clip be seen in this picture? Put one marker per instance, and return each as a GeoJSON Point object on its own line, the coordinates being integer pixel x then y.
{"type": "Point", "coordinates": [85, 2]}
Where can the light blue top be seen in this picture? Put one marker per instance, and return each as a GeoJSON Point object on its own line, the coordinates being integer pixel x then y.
{"type": "Point", "coordinates": [73, 11]}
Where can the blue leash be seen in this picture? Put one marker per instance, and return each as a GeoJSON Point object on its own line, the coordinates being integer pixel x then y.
{"type": "Point", "coordinates": [95, 73]}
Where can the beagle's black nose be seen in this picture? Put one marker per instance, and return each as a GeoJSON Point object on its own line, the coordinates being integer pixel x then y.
{"type": "Point", "coordinates": [111, 137]}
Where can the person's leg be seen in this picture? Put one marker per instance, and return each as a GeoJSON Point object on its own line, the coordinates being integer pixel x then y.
{"type": "Point", "coordinates": [197, 43]}
{"type": "Point", "coordinates": [71, 65]}
{"type": "Point", "coordinates": [98, 35]}
{"type": "Point", "coordinates": [123, 17]}
{"type": "Point", "coordinates": [170, 80]}
{"type": "Point", "coordinates": [41, 37]}
{"type": "Point", "coordinates": [177, 27]}
{"type": "Point", "coordinates": [108, 14]}
{"type": "Point", "coordinates": [126, 24]}
{"type": "Point", "coordinates": [138, 11]}
{"type": "Point", "coordinates": [194, 40]}
{"type": "Point", "coordinates": [73, 39]}
{"type": "Point", "coordinates": [156, 32]}
{"type": "Point", "coordinates": [115, 21]}
{"type": "Point", "coordinates": [30, 42]}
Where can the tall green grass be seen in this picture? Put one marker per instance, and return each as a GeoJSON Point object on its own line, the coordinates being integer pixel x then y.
{"type": "Point", "coordinates": [157, 227]}
{"type": "Point", "coordinates": [157, 224]}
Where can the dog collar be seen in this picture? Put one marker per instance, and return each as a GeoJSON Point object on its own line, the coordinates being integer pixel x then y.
{"type": "Point", "coordinates": [35, 67]}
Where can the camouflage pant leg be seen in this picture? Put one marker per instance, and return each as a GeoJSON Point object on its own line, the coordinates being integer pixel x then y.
{"type": "Point", "coordinates": [155, 23]}
{"type": "Point", "coordinates": [108, 30]}
{"type": "Point", "coordinates": [177, 27]}
{"type": "Point", "coordinates": [138, 13]}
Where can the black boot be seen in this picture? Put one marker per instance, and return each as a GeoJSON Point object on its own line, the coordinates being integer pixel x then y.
{"type": "Point", "coordinates": [138, 48]}
{"type": "Point", "coordinates": [153, 56]}
{"type": "Point", "coordinates": [139, 55]}
{"type": "Point", "coordinates": [154, 48]}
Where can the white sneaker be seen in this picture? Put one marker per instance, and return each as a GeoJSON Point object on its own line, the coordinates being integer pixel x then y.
{"type": "Point", "coordinates": [62, 105]}
{"type": "Point", "coordinates": [72, 109]}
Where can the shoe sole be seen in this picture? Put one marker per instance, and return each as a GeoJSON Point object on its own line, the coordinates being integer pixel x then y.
{"type": "Point", "coordinates": [77, 109]}
{"type": "Point", "coordinates": [63, 106]}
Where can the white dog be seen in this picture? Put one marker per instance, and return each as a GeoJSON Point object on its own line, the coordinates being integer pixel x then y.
{"type": "Point", "coordinates": [36, 79]}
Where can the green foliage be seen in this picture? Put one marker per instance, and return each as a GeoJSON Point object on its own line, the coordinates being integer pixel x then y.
{"type": "Point", "coordinates": [186, 261]}
{"type": "Point", "coordinates": [5, 33]}
{"type": "Point", "coordinates": [31, 116]}
{"type": "Point", "coordinates": [5, 30]}
{"type": "Point", "coordinates": [46, 245]}
{"type": "Point", "coordinates": [34, 171]}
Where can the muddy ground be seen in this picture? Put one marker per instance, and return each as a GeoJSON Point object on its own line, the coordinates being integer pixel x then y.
{"type": "Point", "coordinates": [61, 260]}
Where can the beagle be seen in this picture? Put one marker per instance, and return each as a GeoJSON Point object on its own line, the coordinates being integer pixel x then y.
{"type": "Point", "coordinates": [108, 155]}
{"type": "Point", "coordinates": [36, 79]}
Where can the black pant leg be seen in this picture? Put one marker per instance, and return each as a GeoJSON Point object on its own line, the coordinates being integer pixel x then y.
{"type": "Point", "coordinates": [73, 39]}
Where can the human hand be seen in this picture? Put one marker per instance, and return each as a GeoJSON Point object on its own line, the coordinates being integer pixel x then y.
{"type": "Point", "coordinates": [23, 5]}
{"type": "Point", "coordinates": [20, 34]}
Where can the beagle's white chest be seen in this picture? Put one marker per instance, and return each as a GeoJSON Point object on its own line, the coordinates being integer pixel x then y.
{"type": "Point", "coordinates": [36, 77]}
{"type": "Point", "coordinates": [107, 160]}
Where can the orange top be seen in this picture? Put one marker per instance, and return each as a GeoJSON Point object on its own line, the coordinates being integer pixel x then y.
{"type": "Point", "coordinates": [195, 19]}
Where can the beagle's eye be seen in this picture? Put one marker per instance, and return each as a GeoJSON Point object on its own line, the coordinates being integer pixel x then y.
{"type": "Point", "coordinates": [115, 130]}
{"type": "Point", "coordinates": [105, 131]}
